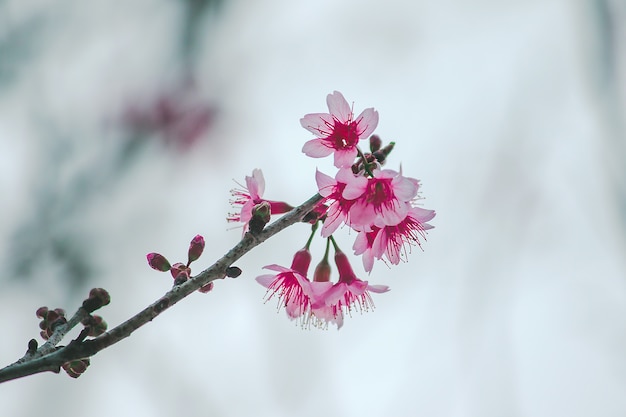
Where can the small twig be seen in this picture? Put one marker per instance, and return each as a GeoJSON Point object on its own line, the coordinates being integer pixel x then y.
{"type": "Point", "coordinates": [51, 358]}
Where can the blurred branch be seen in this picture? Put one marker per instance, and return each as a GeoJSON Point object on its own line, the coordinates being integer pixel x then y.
{"type": "Point", "coordinates": [49, 357]}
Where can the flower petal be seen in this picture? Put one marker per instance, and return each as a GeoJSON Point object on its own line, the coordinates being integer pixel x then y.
{"type": "Point", "coordinates": [339, 107]}
{"type": "Point", "coordinates": [319, 124]}
{"type": "Point", "coordinates": [315, 148]}
{"type": "Point", "coordinates": [367, 122]}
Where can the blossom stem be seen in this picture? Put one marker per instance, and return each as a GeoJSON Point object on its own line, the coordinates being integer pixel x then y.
{"type": "Point", "coordinates": [327, 248]}
{"type": "Point", "coordinates": [366, 166]}
{"type": "Point", "coordinates": [313, 230]}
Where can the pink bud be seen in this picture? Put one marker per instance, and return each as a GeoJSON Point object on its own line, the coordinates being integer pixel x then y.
{"type": "Point", "coordinates": [322, 271]}
{"type": "Point", "coordinates": [158, 262]}
{"type": "Point", "coordinates": [301, 261]}
{"type": "Point", "coordinates": [180, 272]}
{"type": "Point", "coordinates": [206, 288]}
{"type": "Point", "coordinates": [195, 249]}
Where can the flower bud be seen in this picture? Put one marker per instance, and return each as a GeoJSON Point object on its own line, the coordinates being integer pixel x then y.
{"type": "Point", "coordinates": [98, 297]}
{"type": "Point", "coordinates": [261, 214]}
{"type": "Point", "coordinates": [158, 262]}
{"type": "Point", "coordinates": [322, 271]}
{"type": "Point", "coordinates": [301, 261]}
{"type": "Point", "coordinates": [206, 288]}
{"type": "Point", "coordinates": [76, 368]}
{"type": "Point", "coordinates": [42, 312]}
{"type": "Point", "coordinates": [233, 272]}
{"type": "Point", "coordinates": [375, 143]}
{"type": "Point", "coordinates": [97, 326]}
{"type": "Point", "coordinates": [195, 249]}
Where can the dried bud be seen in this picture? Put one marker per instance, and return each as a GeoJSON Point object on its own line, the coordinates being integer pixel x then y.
{"type": "Point", "coordinates": [158, 262]}
{"type": "Point", "coordinates": [76, 368]}
{"type": "Point", "coordinates": [233, 272]}
{"type": "Point", "coordinates": [98, 297]}
{"type": "Point", "coordinates": [195, 249]}
{"type": "Point", "coordinates": [375, 143]}
{"type": "Point", "coordinates": [261, 214]}
{"type": "Point", "coordinates": [206, 288]}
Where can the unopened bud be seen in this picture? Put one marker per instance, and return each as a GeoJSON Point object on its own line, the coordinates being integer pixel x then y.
{"type": "Point", "coordinates": [375, 143]}
{"type": "Point", "coordinates": [32, 346]}
{"type": "Point", "coordinates": [180, 272]}
{"type": "Point", "coordinates": [158, 262]}
{"type": "Point", "coordinates": [42, 312]}
{"type": "Point", "coordinates": [97, 326]}
{"type": "Point", "coordinates": [98, 297]}
{"type": "Point", "coordinates": [261, 214]}
{"type": "Point", "coordinates": [206, 288]}
{"type": "Point", "coordinates": [76, 368]}
{"type": "Point", "coordinates": [195, 249]}
{"type": "Point", "coordinates": [233, 272]}
{"type": "Point", "coordinates": [301, 261]}
{"type": "Point", "coordinates": [322, 271]}
{"type": "Point", "coordinates": [381, 155]}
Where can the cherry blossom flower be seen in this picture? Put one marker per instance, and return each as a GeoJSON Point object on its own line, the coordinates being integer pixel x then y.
{"type": "Point", "coordinates": [251, 196]}
{"type": "Point", "coordinates": [339, 131]}
{"type": "Point", "coordinates": [392, 241]}
{"type": "Point", "coordinates": [290, 285]}
{"type": "Point", "coordinates": [348, 293]}
{"type": "Point", "coordinates": [332, 190]}
{"type": "Point", "coordinates": [381, 200]}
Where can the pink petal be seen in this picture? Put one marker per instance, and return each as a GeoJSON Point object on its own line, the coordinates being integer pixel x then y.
{"type": "Point", "coordinates": [345, 157]}
{"type": "Point", "coordinates": [379, 289]}
{"type": "Point", "coordinates": [355, 187]}
{"type": "Point", "coordinates": [265, 280]}
{"type": "Point", "coordinates": [334, 218]}
{"type": "Point", "coordinates": [422, 215]}
{"type": "Point", "coordinates": [360, 243]}
{"type": "Point", "coordinates": [318, 123]}
{"type": "Point", "coordinates": [339, 107]}
{"type": "Point", "coordinates": [325, 183]}
{"type": "Point", "coordinates": [335, 293]}
{"type": "Point", "coordinates": [315, 148]}
{"type": "Point", "coordinates": [404, 189]}
{"type": "Point", "coordinates": [256, 184]}
{"type": "Point", "coordinates": [367, 122]}
{"type": "Point", "coordinates": [278, 268]}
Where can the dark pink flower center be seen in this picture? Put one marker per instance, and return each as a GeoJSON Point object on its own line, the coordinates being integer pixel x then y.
{"type": "Point", "coordinates": [379, 191]}
{"type": "Point", "coordinates": [344, 136]}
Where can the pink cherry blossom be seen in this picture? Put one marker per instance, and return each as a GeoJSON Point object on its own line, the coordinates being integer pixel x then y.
{"type": "Point", "coordinates": [381, 200]}
{"type": "Point", "coordinates": [338, 132]}
{"type": "Point", "coordinates": [347, 294]}
{"type": "Point", "coordinates": [250, 196]}
{"type": "Point", "coordinates": [392, 241]}
{"type": "Point", "coordinates": [332, 189]}
{"type": "Point", "coordinates": [290, 285]}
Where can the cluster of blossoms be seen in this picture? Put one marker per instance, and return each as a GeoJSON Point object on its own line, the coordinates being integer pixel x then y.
{"type": "Point", "coordinates": [378, 204]}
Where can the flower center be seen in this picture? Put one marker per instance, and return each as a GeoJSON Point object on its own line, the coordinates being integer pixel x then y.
{"type": "Point", "coordinates": [379, 192]}
{"type": "Point", "coordinates": [344, 135]}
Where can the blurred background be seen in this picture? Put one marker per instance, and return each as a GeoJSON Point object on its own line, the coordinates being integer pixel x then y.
{"type": "Point", "coordinates": [122, 126]}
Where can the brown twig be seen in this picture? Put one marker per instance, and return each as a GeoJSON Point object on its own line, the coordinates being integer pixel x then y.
{"type": "Point", "coordinates": [49, 357]}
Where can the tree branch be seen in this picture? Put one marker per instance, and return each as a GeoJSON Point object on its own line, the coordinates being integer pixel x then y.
{"type": "Point", "coordinates": [50, 358]}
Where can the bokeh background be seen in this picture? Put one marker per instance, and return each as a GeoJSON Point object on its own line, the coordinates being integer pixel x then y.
{"type": "Point", "coordinates": [122, 125]}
